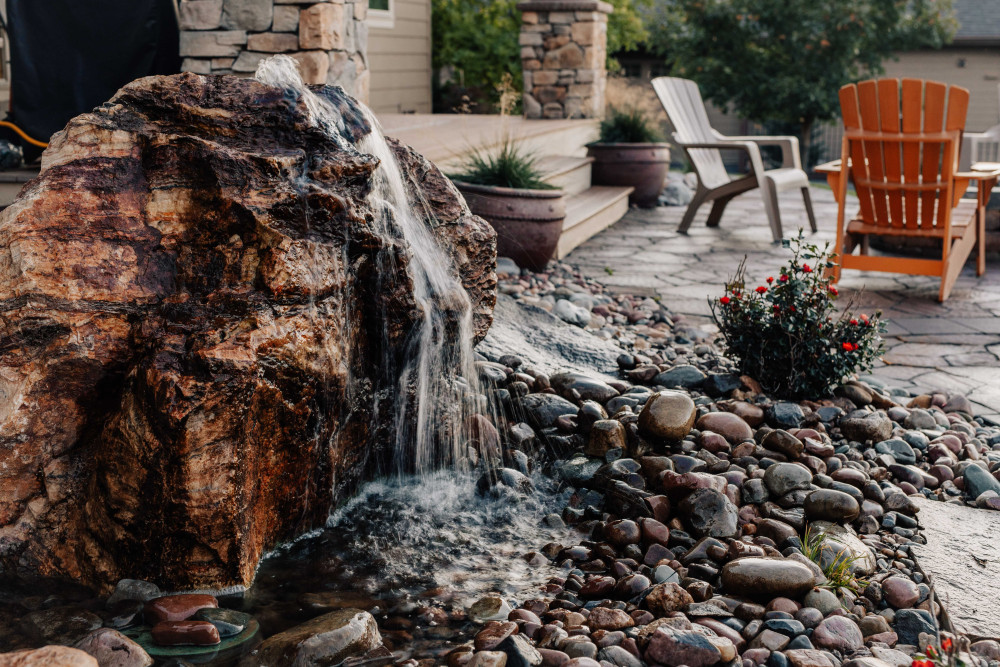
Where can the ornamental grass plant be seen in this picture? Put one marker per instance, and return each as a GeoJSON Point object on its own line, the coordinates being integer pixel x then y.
{"type": "Point", "coordinates": [628, 124]}
{"type": "Point", "coordinates": [787, 334]}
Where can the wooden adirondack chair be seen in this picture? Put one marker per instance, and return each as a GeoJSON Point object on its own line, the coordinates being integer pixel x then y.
{"type": "Point", "coordinates": [901, 149]}
{"type": "Point", "coordinates": [682, 101]}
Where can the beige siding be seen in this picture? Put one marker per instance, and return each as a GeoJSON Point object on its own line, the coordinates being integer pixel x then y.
{"type": "Point", "coordinates": [980, 74]}
{"type": "Point", "coordinates": [400, 60]}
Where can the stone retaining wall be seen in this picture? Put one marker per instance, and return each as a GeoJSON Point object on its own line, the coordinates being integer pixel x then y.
{"type": "Point", "coordinates": [563, 55]}
{"type": "Point", "coordinates": [329, 39]}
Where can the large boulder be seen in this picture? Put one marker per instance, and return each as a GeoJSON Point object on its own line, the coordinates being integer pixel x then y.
{"type": "Point", "coordinates": [197, 317]}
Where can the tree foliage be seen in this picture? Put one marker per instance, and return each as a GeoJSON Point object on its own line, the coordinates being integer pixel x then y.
{"type": "Point", "coordinates": [475, 42]}
{"type": "Point", "coordinates": [785, 61]}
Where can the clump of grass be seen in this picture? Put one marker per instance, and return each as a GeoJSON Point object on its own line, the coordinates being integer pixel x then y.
{"type": "Point", "coordinates": [628, 124]}
{"type": "Point", "coordinates": [509, 166]}
{"type": "Point", "coordinates": [838, 572]}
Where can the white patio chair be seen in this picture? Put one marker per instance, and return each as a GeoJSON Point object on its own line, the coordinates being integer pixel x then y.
{"type": "Point", "coordinates": [682, 101]}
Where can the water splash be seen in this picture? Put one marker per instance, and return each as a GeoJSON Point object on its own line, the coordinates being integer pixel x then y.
{"type": "Point", "coordinates": [437, 387]}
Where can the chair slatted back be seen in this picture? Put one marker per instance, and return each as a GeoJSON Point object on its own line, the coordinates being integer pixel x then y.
{"type": "Point", "coordinates": [686, 110]}
{"type": "Point", "coordinates": [903, 139]}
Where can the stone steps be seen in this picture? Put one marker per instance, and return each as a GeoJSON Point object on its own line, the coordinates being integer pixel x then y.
{"type": "Point", "coordinates": [567, 172]}
{"type": "Point", "coordinates": [590, 212]}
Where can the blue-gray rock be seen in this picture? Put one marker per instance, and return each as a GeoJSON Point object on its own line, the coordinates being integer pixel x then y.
{"type": "Point", "coordinates": [685, 376]}
{"type": "Point", "coordinates": [580, 470]}
{"type": "Point", "coordinates": [978, 480]}
{"type": "Point", "coordinates": [710, 513]}
{"type": "Point", "coordinates": [786, 415]}
{"type": "Point", "coordinates": [917, 440]}
{"type": "Point", "coordinates": [544, 409]}
{"type": "Point", "coordinates": [134, 589]}
{"type": "Point", "coordinates": [721, 384]}
{"type": "Point", "coordinates": [911, 622]}
{"type": "Point", "coordinates": [897, 449]}
{"type": "Point", "coordinates": [228, 622]}
{"type": "Point", "coordinates": [754, 491]}
{"type": "Point", "coordinates": [781, 478]}
{"type": "Point", "coordinates": [616, 655]}
{"type": "Point", "coordinates": [800, 642]}
{"type": "Point", "coordinates": [785, 626]}
{"type": "Point", "coordinates": [519, 651]}
{"type": "Point", "coordinates": [588, 388]}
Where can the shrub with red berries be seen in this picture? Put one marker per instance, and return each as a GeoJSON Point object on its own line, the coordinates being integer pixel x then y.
{"type": "Point", "coordinates": [788, 335]}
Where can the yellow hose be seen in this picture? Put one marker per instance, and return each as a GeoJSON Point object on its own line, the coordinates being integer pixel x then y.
{"type": "Point", "coordinates": [20, 132]}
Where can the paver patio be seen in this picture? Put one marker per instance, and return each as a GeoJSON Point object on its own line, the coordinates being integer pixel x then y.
{"type": "Point", "coordinates": [952, 347]}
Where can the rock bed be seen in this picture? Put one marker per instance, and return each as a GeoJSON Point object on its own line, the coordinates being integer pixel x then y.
{"type": "Point", "coordinates": [695, 501]}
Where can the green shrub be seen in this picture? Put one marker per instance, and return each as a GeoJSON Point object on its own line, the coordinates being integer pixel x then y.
{"type": "Point", "coordinates": [628, 125]}
{"type": "Point", "coordinates": [507, 167]}
{"type": "Point", "coordinates": [787, 335]}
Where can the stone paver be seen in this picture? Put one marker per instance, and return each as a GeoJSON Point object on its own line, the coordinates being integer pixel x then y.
{"type": "Point", "coordinates": [954, 346]}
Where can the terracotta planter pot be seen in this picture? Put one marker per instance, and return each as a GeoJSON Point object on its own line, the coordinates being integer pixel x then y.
{"type": "Point", "coordinates": [528, 222]}
{"type": "Point", "coordinates": [641, 166]}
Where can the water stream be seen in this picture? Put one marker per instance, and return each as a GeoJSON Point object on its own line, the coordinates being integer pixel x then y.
{"type": "Point", "coordinates": [437, 387]}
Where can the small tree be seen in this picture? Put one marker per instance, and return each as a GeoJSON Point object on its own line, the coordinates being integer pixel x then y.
{"type": "Point", "coordinates": [785, 61]}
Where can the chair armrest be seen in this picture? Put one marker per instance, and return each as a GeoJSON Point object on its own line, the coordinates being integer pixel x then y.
{"type": "Point", "coordinates": [832, 167]}
{"type": "Point", "coordinates": [722, 145]}
{"type": "Point", "coordinates": [789, 147]}
{"type": "Point", "coordinates": [981, 171]}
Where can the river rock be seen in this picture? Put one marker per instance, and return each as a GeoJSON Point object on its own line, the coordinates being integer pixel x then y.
{"type": "Point", "coordinates": [874, 426]}
{"type": "Point", "coordinates": [113, 649]}
{"type": "Point", "coordinates": [783, 442]}
{"type": "Point", "coordinates": [667, 414]}
{"type": "Point", "coordinates": [766, 578]}
{"type": "Point", "coordinates": [605, 435]}
{"type": "Point", "coordinates": [489, 608]}
{"type": "Point", "coordinates": [710, 513]}
{"type": "Point", "coordinates": [900, 592]}
{"type": "Point", "coordinates": [838, 633]}
{"type": "Point", "coordinates": [667, 598]}
{"type": "Point", "coordinates": [840, 542]}
{"type": "Point", "coordinates": [897, 449]}
{"type": "Point", "coordinates": [228, 621]}
{"type": "Point", "coordinates": [326, 640]}
{"type": "Point", "coordinates": [60, 625]}
{"type": "Point", "coordinates": [726, 424]}
{"type": "Point", "coordinates": [673, 646]}
{"type": "Point", "coordinates": [822, 599]}
{"type": "Point", "coordinates": [185, 633]}
{"type": "Point", "coordinates": [544, 409]}
{"type": "Point", "coordinates": [176, 607]}
{"type": "Point", "coordinates": [781, 478]}
{"type": "Point", "coordinates": [979, 481]}
{"type": "Point", "coordinates": [831, 505]}
{"type": "Point", "coordinates": [48, 656]}
{"type": "Point", "coordinates": [193, 320]}
{"type": "Point", "coordinates": [685, 375]}
{"type": "Point", "coordinates": [587, 388]}
{"type": "Point", "coordinates": [910, 623]}
{"type": "Point", "coordinates": [133, 589]}
{"type": "Point", "coordinates": [602, 618]}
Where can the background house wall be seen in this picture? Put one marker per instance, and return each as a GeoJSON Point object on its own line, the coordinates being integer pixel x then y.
{"type": "Point", "coordinates": [399, 53]}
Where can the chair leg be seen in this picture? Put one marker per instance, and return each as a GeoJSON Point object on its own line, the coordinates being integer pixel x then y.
{"type": "Point", "coordinates": [717, 208]}
{"type": "Point", "coordinates": [699, 198]}
{"type": "Point", "coordinates": [980, 241]}
{"type": "Point", "coordinates": [770, 196]}
{"type": "Point", "coordinates": [809, 208]}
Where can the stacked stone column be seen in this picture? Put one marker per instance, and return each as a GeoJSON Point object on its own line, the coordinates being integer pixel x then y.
{"type": "Point", "coordinates": [563, 55]}
{"type": "Point", "coordinates": [329, 39]}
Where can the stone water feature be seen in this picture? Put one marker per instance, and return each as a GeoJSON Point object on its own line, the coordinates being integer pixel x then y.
{"type": "Point", "coordinates": [211, 327]}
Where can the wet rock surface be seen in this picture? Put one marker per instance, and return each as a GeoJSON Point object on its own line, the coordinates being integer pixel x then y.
{"type": "Point", "coordinates": [193, 291]}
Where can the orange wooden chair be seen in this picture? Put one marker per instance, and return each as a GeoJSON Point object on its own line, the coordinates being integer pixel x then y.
{"type": "Point", "coordinates": [901, 149]}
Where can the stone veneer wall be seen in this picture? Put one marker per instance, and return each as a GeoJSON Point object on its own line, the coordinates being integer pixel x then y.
{"type": "Point", "coordinates": [329, 39]}
{"type": "Point", "coordinates": [563, 54]}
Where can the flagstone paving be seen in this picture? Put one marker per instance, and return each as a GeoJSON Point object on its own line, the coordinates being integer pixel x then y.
{"type": "Point", "coordinates": [952, 347]}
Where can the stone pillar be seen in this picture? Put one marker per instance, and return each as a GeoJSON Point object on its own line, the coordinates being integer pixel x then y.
{"type": "Point", "coordinates": [564, 45]}
{"type": "Point", "coordinates": [329, 39]}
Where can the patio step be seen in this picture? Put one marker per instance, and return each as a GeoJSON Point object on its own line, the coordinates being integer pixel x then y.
{"type": "Point", "coordinates": [570, 173]}
{"type": "Point", "coordinates": [590, 212]}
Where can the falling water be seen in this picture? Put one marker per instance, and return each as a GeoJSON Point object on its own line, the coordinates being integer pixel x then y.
{"type": "Point", "coordinates": [437, 386]}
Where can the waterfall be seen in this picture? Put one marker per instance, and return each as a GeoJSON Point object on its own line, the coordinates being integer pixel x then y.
{"type": "Point", "coordinates": [437, 388]}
